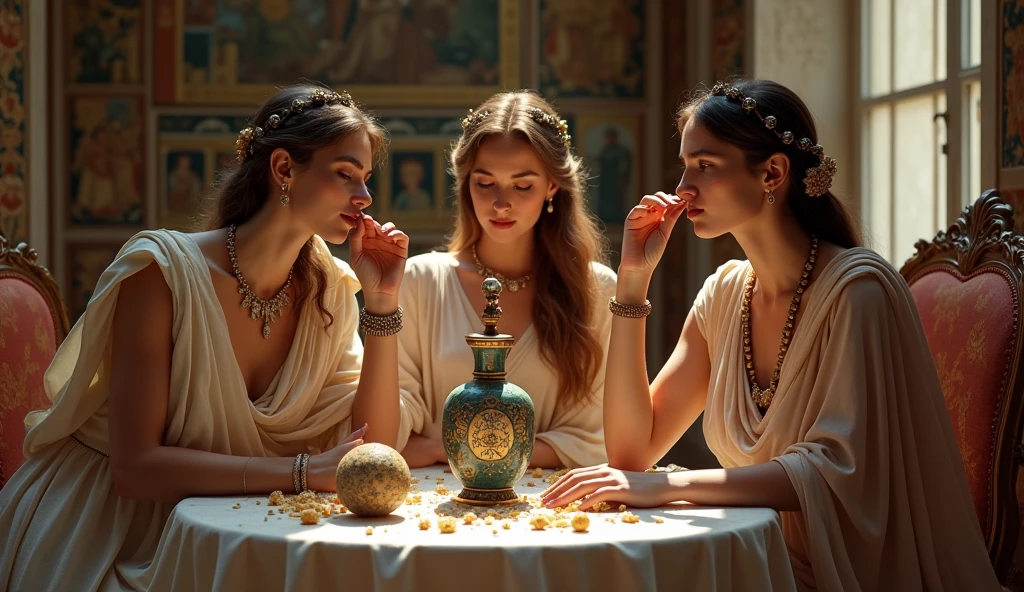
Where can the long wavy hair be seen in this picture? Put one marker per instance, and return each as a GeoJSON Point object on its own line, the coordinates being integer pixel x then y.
{"type": "Point", "coordinates": [824, 216]}
{"type": "Point", "coordinates": [242, 191]}
{"type": "Point", "coordinates": [568, 240]}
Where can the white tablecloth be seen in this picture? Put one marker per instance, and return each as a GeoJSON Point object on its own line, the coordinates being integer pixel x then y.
{"type": "Point", "coordinates": [210, 545]}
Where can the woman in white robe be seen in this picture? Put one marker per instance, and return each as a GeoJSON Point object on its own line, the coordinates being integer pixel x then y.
{"type": "Point", "coordinates": [167, 388]}
{"type": "Point", "coordinates": [838, 423]}
{"type": "Point", "coordinates": [522, 218]}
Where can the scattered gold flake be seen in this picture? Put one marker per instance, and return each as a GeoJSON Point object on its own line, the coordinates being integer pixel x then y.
{"type": "Point", "coordinates": [276, 499]}
{"type": "Point", "coordinates": [414, 480]}
{"type": "Point", "coordinates": [537, 473]}
{"type": "Point", "coordinates": [630, 518]}
{"type": "Point", "coordinates": [540, 522]}
{"type": "Point", "coordinates": [658, 520]}
{"type": "Point", "coordinates": [468, 518]}
{"type": "Point", "coordinates": [441, 489]}
{"type": "Point", "coordinates": [554, 476]}
{"type": "Point", "coordinates": [622, 508]}
{"type": "Point", "coordinates": [258, 502]}
{"type": "Point", "coordinates": [446, 524]}
{"type": "Point", "coordinates": [506, 525]}
{"type": "Point", "coordinates": [531, 484]}
{"type": "Point", "coordinates": [489, 520]}
{"type": "Point", "coordinates": [562, 523]}
{"type": "Point", "coordinates": [580, 522]}
{"type": "Point", "coordinates": [237, 506]}
{"type": "Point", "coordinates": [270, 512]}
{"type": "Point", "coordinates": [309, 516]}
{"type": "Point", "coordinates": [369, 530]}
{"type": "Point", "coordinates": [424, 523]}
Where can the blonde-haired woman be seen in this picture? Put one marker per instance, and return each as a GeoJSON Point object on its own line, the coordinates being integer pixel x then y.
{"type": "Point", "coordinates": [522, 218]}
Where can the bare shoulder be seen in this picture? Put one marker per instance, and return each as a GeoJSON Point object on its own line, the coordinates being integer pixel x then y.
{"type": "Point", "coordinates": [144, 288]}
{"type": "Point", "coordinates": [145, 308]}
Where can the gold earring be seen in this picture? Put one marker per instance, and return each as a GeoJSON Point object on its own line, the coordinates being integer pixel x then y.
{"type": "Point", "coordinates": [551, 205]}
{"type": "Point", "coordinates": [284, 194]}
{"type": "Point", "coordinates": [771, 197]}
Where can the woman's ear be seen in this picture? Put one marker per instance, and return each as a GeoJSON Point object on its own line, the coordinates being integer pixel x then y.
{"type": "Point", "coordinates": [281, 166]}
{"type": "Point", "coordinates": [552, 189]}
{"type": "Point", "coordinates": [776, 171]}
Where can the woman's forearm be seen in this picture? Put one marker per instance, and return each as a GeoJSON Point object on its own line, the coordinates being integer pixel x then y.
{"type": "Point", "coordinates": [544, 456]}
{"type": "Point", "coordinates": [761, 485]}
{"type": "Point", "coordinates": [628, 412]}
{"type": "Point", "coordinates": [377, 401]}
{"type": "Point", "coordinates": [171, 473]}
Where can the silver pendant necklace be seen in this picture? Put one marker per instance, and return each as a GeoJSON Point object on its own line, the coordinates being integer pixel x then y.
{"type": "Point", "coordinates": [268, 310]}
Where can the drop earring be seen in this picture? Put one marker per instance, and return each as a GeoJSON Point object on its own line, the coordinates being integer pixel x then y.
{"type": "Point", "coordinates": [551, 205]}
{"type": "Point", "coordinates": [284, 194]}
{"type": "Point", "coordinates": [771, 197]}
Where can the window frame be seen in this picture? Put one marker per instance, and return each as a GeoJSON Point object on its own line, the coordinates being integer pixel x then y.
{"type": "Point", "coordinates": [956, 88]}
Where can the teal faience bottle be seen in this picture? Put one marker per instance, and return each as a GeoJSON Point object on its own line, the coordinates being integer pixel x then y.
{"type": "Point", "coordinates": [487, 423]}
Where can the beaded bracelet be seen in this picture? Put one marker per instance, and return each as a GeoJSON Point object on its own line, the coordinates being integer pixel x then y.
{"type": "Point", "coordinates": [630, 311]}
{"type": "Point", "coordinates": [380, 325]}
{"type": "Point", "coordinates": [296, 483]}
{"type": "Point", "coordinates": [302, 472]}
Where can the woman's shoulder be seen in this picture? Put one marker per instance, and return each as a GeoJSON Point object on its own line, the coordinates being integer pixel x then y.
{"type": "Point", "coordinates": [604, 278]}
{"type": "Point", "coordinates": [429, 267]}
{"type": "Point", "coordinates": [729, 276]}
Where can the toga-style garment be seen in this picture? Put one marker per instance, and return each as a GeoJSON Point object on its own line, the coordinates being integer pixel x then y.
{"type": "Point", "coordinates": [859, 424]}
{"type": "Point", "coordinates": [62, 525]}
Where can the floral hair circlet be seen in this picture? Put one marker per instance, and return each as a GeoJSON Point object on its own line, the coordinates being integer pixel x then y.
{"type": "Point", "coordinates": [473, 118]}
{"type": "Point", "coordinates": [818, 179]}
{"type": "Point", "coordinates": [317, 98]}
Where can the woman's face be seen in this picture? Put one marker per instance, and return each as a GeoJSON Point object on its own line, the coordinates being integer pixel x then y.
{"type": "Point", "coordinates": [722, 192]}
{"type": "Point", "coordinates": [329, 192]}
{"type": "Point", "coordinates": [509, 186]}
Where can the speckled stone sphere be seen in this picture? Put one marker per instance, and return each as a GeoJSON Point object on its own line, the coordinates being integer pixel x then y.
{"type": "Point", "coordinates": [373, 480]}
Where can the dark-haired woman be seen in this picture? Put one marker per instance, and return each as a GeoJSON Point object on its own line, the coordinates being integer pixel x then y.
{"type": "Point", "coordinates": [223, 362]}
{"type": "Point", "coordinates": [819, 394]}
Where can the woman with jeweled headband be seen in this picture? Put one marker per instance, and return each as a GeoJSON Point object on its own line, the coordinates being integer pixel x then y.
{"type": "Point", "coordinates": [523, 219]}
{"type": "Point", "coordinates": [808, 360]}
{"type": "Point", "coordinates": [221, 362]}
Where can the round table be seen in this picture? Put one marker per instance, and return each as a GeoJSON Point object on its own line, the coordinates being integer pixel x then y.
{"type": "Point", "coordinates": [210, 544]}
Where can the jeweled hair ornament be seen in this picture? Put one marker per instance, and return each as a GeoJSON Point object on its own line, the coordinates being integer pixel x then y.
{"type": "Point", "coordinates": [317, 98]}
{"type": "Point", "coordinates": [818, 179]}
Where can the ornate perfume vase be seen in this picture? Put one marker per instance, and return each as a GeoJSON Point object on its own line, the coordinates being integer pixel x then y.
{"type": "Point", "coordinates": [487, 423]}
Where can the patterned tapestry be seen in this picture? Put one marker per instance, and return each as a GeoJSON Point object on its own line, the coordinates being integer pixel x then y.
{"type": "Point", "coordinates": [13, 193]}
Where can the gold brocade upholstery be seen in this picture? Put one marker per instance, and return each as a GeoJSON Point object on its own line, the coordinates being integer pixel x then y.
{"type": "Point", "coordinates": [967, 285]}
{"type": "Point", "coordinates": [33, 322]}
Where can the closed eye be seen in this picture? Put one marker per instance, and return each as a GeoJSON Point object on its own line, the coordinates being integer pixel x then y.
{"type": "Point", "coordinates": [345, 175]}
{"type": "Point", "coordinates": [483, 185]}
{"type": "Point", "coordinates": [527, 188]}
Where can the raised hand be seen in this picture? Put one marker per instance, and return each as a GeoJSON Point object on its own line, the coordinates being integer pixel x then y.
{"type": "Point", "coordinates": [378, 259]}
{"type": "Point", "coordinates": [321, 473]}
{"type": "Point", "coordinates": [646, 232]}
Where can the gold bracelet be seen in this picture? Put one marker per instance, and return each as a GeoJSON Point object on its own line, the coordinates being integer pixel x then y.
{"type": "Point", "coordinates": [630, 311]}
{"type": "Point", "coordinates": [245, 491]}
{"type": "Point", "coordinates": [295, 474]}
{"type": "Point", "coordinates": [305, 465]}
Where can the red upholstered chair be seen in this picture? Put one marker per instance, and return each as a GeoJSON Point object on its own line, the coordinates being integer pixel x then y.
{"type": "Point", "coordinates": [967, 285]}
{"type": "Point", "coordinates": [33, 322]}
